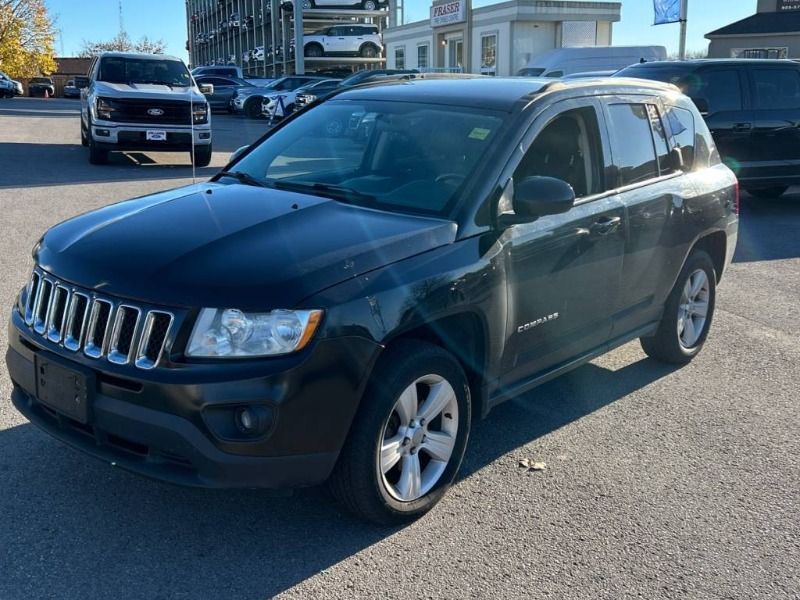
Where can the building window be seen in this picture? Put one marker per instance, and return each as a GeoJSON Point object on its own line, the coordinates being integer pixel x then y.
{"type": "Point", "coordinates": [489, 54]}
{"type": "Point", "coordinates": [769, 53]}
{"type": "Point", "coordinates": [400, 57]}
{"type": "Point", "coordinates": [422, 56]}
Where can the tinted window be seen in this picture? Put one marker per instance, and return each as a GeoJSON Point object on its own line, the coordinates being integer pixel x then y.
{"type": "Point", "coordinates": [682, 132]}
{"type": "Point", "coordinates": [668, 74]}
{"type": "Point", "coordinates": [721, 89]}
{"type": "Point", "coordinates": [632, 143]}
{"type": "Point", "coordinates": [568, 148]}
{"type": "Point", "coordinates": [660, 138]}
{"type": "Point", "coordinates": [776, 88]}
{"type": "Point", "coordinates": [114, 69]}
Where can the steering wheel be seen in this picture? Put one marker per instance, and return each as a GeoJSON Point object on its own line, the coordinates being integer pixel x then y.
{"type": "Point", "coordinates": [447, 176]}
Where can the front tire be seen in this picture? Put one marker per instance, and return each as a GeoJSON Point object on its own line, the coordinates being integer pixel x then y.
{"type": "Point", "coordinates": [96, 155]}
{"type": "Point", "coordinates": [252, 108]}
{"type": "Point", "coordinates": [202, 155]}
{"type": "Point", "coordinates": [369, 51]}
{"type": "Point", "coordinates": [409, 437]}
{"type": "Point", "coordinates": [687, 314]}
{"type": "Point", "coordinates": [770, 193]}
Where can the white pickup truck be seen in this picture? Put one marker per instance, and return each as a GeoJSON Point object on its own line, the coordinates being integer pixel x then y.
{"type": "Point", "coordinates": [144, 102]}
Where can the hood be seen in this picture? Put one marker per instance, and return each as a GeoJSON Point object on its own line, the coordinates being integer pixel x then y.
{"type": "Point", "coordinates": [214, 245]}
{"type": "Point", "coordinates": [153, 91]}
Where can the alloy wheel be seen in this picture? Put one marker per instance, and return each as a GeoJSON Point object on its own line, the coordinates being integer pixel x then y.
{"type": "Point", "coordinates": [418, 438]}
{"type": "Point", "coordinates": [693, 308]}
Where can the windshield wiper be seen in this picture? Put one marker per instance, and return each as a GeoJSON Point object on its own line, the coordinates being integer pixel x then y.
{"type": "Point", "coordinates": [244, 178]}
{"type": "Point", "coordinates": [336, 192]}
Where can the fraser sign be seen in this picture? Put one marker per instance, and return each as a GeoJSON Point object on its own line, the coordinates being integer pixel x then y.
{"type": "Point", "coordinates": [447, 13]}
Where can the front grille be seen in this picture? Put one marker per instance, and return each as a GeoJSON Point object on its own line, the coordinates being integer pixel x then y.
{"type": "Point", "coordinates": [103, 328]}
{"type": "Point", "coordinates": [173, 112]}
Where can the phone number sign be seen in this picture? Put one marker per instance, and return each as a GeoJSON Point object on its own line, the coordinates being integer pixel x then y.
{"type": "Point", "coordinates": [788, 5]}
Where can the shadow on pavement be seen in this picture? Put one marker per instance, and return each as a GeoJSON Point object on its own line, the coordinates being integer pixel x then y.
{"type": "Point", "coordinates": [79, 526]}
{"type": "Point", "coordinates": [767, 228]}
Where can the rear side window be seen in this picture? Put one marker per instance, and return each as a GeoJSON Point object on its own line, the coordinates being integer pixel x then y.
{"type": "Point", "coordinates": [632, 143]}
{"type": "Point", "coordinates": [682, 132]}
{"type": "Point", "coordinates": [776, 89]}
{"type": "Point", "coordinates": [721, 89]}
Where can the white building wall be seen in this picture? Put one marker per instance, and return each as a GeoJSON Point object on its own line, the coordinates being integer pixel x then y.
{"type": "Point", "coordinates": [531, 39]}
{"type": "Point", "coordinates": [604, 30]}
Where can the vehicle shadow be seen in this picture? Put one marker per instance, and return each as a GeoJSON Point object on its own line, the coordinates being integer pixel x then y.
{"type": "Point", "coordinates": [73, 524]}
{"type": "Point", "coordinates": [767, 228]}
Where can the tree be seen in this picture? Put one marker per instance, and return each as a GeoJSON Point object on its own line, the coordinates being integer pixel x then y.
{"type": "Point", "coordinates": [26, 38]}
{"type": "Point", "coordinates": [123, 43]}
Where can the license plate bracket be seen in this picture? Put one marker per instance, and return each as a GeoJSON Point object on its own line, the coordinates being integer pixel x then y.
{"type": "Point", "coordinates": [66, 389]}
{"type": "Point", "coordinates": [156, 135]}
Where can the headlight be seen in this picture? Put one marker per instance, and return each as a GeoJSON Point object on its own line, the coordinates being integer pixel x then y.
{"type": "Point", "coordinates": [233, 333]}
{"type": "Point", "coordinates": [104, 108]}
{"type": "Point", "coordinates": [200, 113]}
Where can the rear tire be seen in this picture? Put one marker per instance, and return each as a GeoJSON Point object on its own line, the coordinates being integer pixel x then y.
{"type": "Point", "coordinates": [770, 193]}
{"type": "Point", "coordinates": [314, 51]}
{"type": "Point", "coordinates": [369, 51]}
{"type": "Point", "coordinates": [252, 108]}
{"type": "Point", "coordinates": [387, 471]}
{"type": "Point", "coordinates": [688, 313]}
{"type": "Point", "coordinates": [202, 155]}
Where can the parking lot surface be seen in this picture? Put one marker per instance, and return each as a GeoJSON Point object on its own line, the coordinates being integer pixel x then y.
{"type": "Point", "coordinates": [659, 483]}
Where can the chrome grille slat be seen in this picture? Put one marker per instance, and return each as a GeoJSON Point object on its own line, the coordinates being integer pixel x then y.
{"type": "Point", "coordinates": [102, 327]}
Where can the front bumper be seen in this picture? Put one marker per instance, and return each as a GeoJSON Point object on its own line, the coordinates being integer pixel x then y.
{"type": "Point", "coordinates": [159, 424]}
{"type": "Point", "coordinates": [123, 136]}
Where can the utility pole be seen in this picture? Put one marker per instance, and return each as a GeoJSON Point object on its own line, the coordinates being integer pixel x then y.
{"type": "Point", "coordinates": [684, 17]}
{"type": "Point", "coordinates": [121, 24]}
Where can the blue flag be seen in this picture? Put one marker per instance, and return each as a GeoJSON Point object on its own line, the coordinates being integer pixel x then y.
{"type": "Point", "coordinates": [667, 11]}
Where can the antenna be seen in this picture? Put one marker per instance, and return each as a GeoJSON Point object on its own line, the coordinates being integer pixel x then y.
{"type": "Point", "coordinates": [121, 23]}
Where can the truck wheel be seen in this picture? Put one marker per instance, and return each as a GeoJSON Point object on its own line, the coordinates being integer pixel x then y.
{"type": "Point", "coordinates": [687, 314]}
{"type": "Point", "coordinates": [202, 155]}
{"type": "Point", "coordinates": [407, 441]}
{"type": "Point", "coordinates": [369, 5]}
{"type": "Point", "coordinates": [252, 108]}
{"type": "Point", "coordinates": [96, 155]}
{"type": "Point", "coordinates": [770, 193]}
{"type": "Point", "coordinates": [369, 51]}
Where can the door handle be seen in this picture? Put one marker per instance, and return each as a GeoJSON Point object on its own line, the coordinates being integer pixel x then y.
{"type": "Point", "coordinates": [606, 225]}
{"type": "Point", "coordinates": [742, 126]}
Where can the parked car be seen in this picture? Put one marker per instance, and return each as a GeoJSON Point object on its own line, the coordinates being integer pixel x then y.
{"type": "Point", "coordinates": [338, 309]}
{"type": "Point", "coordinates": [344, 40]}
{"type": "Point", "coordinates": [144, 102]}
{"type": "Point", "coordinates": [753, 110]}
{"type": "Point", "coordinates": [565, 61]}
{"type": "Point", "coordinates": [309, 93]}
{"type": "Point", "coordinates": [18, 89]}
{"type": "Point", "coordinates": [365, 4]}
{"type": "Point", "coordinates": [230, 71]}
{"type": "Point", "coordinates": [282, 104]}
{"type": "Point", "coordinates": [590, 74]}
{"type": "Point", "coordinates": [71, 90]}
{"type": "Point", "coordinates": [225, 88]}
{"type": "Point", "coordinates": [8, 88]}
{"type": "Point", "coordinates": [249, 100]}
{"type": "Point", "coordinates": [306, 97]}
{"type": "Point", "coordinates": [41, 86]}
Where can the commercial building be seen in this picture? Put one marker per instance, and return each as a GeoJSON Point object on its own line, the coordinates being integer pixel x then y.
{"type": "Point", "coordinates": [498, 39]}
{"type": "Point", "coordinates": [773, 32]}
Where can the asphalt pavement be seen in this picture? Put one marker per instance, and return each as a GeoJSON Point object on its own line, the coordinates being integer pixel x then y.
{"type": "Point", "coordinates": [659, 482]}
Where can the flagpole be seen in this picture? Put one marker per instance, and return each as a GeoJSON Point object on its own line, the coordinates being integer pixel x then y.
{"type": "Point", "coordinates": [684, 16]}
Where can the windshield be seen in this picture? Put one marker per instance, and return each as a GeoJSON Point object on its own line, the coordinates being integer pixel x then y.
{"type": "Point", "coordinates": [114, 69]}
{"type": "Point", "coordinates": [399, 156]}
{"type": "Point", "coordinates": [41, 80]}
{"type": "Point", "coordinates": [529, 72]}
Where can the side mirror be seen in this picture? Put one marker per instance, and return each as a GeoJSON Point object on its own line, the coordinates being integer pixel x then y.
{"type": "Point", "coordinates": [207, 89]}
{"type": "Point", "coordinates": [237, 153]}
{"type": "Point", "coordinates": [536, 197]}
{"type": "Point", "coordinates": [81, 82]}
{"type": "Point", "coordinates": [702, 105]}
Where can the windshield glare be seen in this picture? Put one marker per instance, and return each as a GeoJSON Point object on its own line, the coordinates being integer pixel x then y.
{"type": "Point", "coordinates": [141, 70]}
{"type": "Point", "coordinates": [395, 155]}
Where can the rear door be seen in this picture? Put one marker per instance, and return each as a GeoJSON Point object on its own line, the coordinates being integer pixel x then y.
{"type": "Point", "coordinates": [563, 271]}
{"type": "Point", "coordinates": [729, 116]}
{"type": "Point", "coordinates": [776, 129]}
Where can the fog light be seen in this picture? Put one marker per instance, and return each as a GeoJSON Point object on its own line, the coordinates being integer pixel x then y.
{"type": "Point", "coordinates": [102, 132]}
{"type": "Point", "coordinates": [204, 135]}
{"type": "Point", "coordinates": [252, 420]}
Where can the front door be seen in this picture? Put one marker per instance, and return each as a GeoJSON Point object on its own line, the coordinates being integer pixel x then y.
{"type": "Point", "coordinates": [563, 271]}
{"type": "Point", "coordinates": [455, 55]}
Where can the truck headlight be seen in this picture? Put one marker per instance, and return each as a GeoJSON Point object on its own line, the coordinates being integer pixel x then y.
{"type": "Point", "coordinates": [200, 113]}
{"type": "Point", "coordinates": [104, 109]}
{"type": "Point", "coordinates": [232, 333]}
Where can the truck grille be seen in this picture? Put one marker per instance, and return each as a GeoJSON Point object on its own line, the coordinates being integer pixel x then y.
{"type": "Point", "coordinates": [103, 328]}
{"type": "Point", "coordinates": [172, 112]}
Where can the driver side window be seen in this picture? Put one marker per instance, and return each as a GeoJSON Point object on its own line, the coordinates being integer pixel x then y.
{"type": "Point", "coordinates": [568, 148]}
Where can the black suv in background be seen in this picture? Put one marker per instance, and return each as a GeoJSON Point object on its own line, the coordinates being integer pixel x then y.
{"type": "Point", "coordinates": [336, 306]}
{"type": "Point", "coordinates": [39, 85]}
{"type": "Point", "coordinates": [753, 110]}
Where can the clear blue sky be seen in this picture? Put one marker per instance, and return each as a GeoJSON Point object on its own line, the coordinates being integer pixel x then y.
{"type": "Point", "coordinates": [80, 20]}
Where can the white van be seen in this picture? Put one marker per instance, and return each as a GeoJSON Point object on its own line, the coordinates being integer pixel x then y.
{"type": "Point", "coordinates": [565, 61]}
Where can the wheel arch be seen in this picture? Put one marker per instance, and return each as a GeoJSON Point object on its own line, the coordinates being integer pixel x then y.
{"type": "Point", "coordinates": [715, 244]}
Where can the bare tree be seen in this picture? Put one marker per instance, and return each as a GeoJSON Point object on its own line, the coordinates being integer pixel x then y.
{"type": "Point", "coordinates": [123, 43]}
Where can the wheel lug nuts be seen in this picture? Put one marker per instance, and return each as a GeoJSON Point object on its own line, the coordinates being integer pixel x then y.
{"type": "Point", "coordinates": [413, 451]}
{"type": "Point", "coordinates": [406, 441]}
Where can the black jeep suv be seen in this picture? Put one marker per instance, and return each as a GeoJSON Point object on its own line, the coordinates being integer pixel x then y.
{"type": "Point", "coordinates": [339, 302]}
{"type": "Point", "coordinates": [752, 108]}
